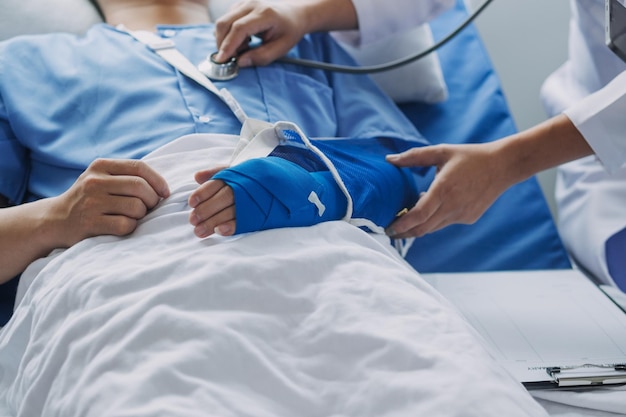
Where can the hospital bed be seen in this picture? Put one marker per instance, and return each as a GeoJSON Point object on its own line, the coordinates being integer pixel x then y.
{"type": "Point", "coordinates": [354, 331]}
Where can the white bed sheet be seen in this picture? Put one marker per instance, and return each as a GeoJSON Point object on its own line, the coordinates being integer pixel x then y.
{"type": "Point", "coordinates": [317, 321]}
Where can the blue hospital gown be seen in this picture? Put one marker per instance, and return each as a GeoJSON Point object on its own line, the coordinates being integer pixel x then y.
{"type": "Point", "coordinates": [66, 100]}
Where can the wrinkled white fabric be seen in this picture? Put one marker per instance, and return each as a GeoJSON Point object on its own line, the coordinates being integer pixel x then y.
{"type": "Point", "coordinates": [318, 321]}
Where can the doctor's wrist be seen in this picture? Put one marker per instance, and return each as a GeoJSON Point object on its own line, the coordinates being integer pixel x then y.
{"type": "Point", "coordinates": [329, 15]}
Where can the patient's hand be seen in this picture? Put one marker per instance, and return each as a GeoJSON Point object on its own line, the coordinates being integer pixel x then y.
{"type": "Point", "coordinates": [213, 205]}
{"type": "Point", "coordinates": [107, 199]}
{"type": "Point", "coordinates": [263, 193]}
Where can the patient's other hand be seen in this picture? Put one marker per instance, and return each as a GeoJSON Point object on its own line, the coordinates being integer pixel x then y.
{"type": "Point", "coordinates": [213, 205]}
{"type": "Point", "coordinates": [279, 25]}
{"type": "Point", "coordinates": [107, 199]}
{"type": "Point", "coordinates": [469, 179]}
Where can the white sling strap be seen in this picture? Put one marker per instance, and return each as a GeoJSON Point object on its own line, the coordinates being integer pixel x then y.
{"type": "Point", "coordinates": [166, 49]}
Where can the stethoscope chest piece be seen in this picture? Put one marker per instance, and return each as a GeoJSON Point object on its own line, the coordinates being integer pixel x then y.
{"type": "Point", "coordinates": [219, 71]}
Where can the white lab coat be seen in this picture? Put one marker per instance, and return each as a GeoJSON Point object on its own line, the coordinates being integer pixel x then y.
{"type": "Point", "coordinates": [380, 19]}
{"type": "Point", "coordinates": [591, 89]}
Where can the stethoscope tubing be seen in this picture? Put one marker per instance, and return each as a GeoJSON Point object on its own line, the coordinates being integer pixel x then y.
{"type": "Point", "coordinates": [371, 69]}
{"type": "Point", "coordinates": [228, 70]}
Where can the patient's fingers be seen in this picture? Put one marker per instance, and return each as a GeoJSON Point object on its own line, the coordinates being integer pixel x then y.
{"type": "Point", "coordinates": [131, 188]}
{"type": "Point", "coordinates": [116, 225]}
{"type": "Point", "coordinates": [108, 198]}
{"type": "Point", "coordinates": [226, 229]}
{"type": "Point", "coordinates": [134, 168]}
{"type": "Point", "coordinates": [213, 206]}
{"type": "Point", "coordinates": [204, 175]}
{"type": "Point", "coordinates": [223, 223]}
{"type": "Point", "coordinates": [131, 207]}
{"type": "Point", "coordinates": [204, 192]}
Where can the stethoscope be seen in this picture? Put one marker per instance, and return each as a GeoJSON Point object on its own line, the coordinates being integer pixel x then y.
{"type": "Point", "coordinates": [223, 71]}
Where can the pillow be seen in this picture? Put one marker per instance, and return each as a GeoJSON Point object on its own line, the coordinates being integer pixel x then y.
{"type": "Point", "coordinates": [420, 81]}
{"type": "Point", "coordinates": [22, 17]}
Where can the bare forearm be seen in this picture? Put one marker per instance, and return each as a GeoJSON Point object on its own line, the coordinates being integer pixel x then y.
{"type": "Point", "coordinates": [547, 145]}
{"type": "Point", "coordinates": [109, 198]}
{"type": "Point", "coordinates": [27, 233]}
{"type": "Point", "coordinates": [328, 15]}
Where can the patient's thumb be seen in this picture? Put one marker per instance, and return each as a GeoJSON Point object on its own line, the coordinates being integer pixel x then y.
{"type": "Point", "coordinates": [204, 175]}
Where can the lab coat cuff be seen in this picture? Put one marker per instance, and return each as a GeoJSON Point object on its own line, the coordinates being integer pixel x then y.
{"type": "Point", "coordinates": [377, 21]}
{"type": "Point", "coordinates": [600, 119]}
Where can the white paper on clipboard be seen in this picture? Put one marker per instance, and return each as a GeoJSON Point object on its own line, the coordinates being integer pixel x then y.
{"type": "Point", "coordinates": [548, 328]}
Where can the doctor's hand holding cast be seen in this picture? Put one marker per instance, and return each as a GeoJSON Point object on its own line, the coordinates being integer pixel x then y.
{"type": "Point", "coordinates": [585, 134]}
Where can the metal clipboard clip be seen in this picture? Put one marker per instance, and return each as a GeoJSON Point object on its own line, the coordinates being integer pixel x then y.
{"type": "Point", "coordinates": [588, 374]}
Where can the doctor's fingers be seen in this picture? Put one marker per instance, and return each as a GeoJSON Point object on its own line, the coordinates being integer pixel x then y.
{"type": "Point", "coordinates": [437, 221]}
{"type": "Point", "coordinates": [267, 53]}
{"type": "Point", "coordinates": [234, 29]}
{"type": "Point", "coordinates": [435, 155]}
{"type": "Point", "coordinates": [419, 220]}
{"type": "Point", "coordinates": [453, 208]}
{"type": "Point", "coordinates": [277, 25]}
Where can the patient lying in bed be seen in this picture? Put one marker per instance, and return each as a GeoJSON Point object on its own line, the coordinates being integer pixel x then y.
{"type": "Point", "coordinates": [321, 320]}
{"type": "Point", "coordinates": [105, 95]}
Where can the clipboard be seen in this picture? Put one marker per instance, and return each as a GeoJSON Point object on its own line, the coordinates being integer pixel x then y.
{"type": "Point", "coordinates": [548, 328]}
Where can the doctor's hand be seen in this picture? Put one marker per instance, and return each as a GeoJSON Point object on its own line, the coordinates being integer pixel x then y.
{"type": "Point", "coordinates": [108, 198]}
{"type": "Point", "coordinates": [279, 25]}
{"type": "Point", "coordinates": [213, 206]}
{"type": "Point", "coordinates": [469, 179]}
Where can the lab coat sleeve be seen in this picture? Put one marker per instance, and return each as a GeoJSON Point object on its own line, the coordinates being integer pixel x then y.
{"type": "Point", "coordinates": [591, 211]}
{"type": "Point", "coordinates": [601, 119]}
{"type": "Point", "coordinates": [378, 19]}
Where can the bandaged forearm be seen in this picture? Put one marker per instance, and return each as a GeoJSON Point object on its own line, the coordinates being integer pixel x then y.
{"type": "Point", "coordinates": [293, 187]}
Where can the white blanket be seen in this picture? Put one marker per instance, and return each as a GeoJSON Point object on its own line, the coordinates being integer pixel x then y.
{"type": "Point", "coordinates": [317, 321]}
